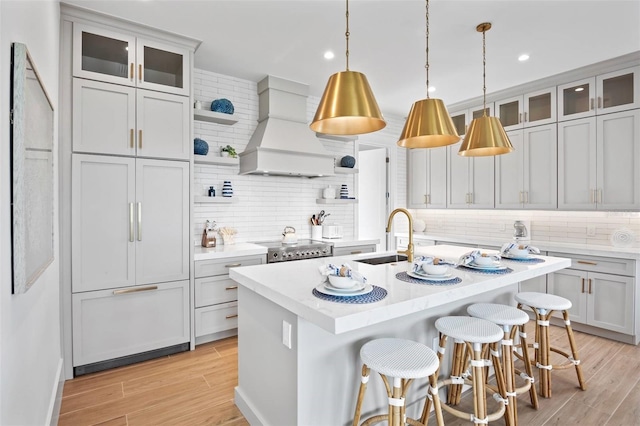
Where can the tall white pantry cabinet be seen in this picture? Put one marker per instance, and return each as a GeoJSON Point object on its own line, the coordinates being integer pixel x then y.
{"type": "Point", "coordinates": [125, 161]}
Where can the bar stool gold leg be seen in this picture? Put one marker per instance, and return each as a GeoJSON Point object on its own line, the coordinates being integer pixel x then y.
{"type": "Point", "coordinates": [574, 350]}
{"type": "Point", "coordinates": [527, 367]}
{"type": "Point", "coordinates": [363, 387]}
{"type": "Point", "coordinates": [427, 403]}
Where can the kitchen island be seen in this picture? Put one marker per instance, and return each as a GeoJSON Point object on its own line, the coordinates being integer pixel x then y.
{"type": "Point", "coordinates": [298, 355]}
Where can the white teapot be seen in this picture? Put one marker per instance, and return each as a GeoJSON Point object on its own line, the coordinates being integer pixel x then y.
{"type": "Point", "coordinates": [289, 235]}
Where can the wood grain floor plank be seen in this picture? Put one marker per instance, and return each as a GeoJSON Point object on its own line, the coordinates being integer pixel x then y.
{"type": "Point", "coordinates": [174, 393]}
{"type": "Point", "coordinates": [628, 412]}
{"type": "Point", "coordinates": [577, 413]}
{"type": "Point", "coordinates": [118, 421]}
{"type": "Point", "coordinates": [92, 397]}
{"type": "Point", "coordinates": [221, 414]}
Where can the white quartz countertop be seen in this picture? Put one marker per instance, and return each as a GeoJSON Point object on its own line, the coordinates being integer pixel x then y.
{"type": "Point", "coordinates": [221, 251]}
{"type": "Point", "coordinates": [290, 285]}
{"type": "Point", "coordinates": [585, 249]}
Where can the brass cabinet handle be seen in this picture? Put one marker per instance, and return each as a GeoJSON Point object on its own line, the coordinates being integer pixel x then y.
{"type": "Point", "coordinates": [584, 262]}
{"type": "Point", "coordinates": [131, 71]}
{"type": "Point", "coordinates": [471, 198]}
{"type": "Point", "coordinates": [231, 316]}
{"type": "Point", "coordinates": [356, 252]}
{"type": "Point", "coordinates": [593, 196]}
{"type": "Point", "coordinates": [231, 287]}
{"type": "Point", "coordinates": [582, 291]}
{"type": "Point", "coordinates": [526, 197]}
{"type": "Point", "coordinates": [131, 136]}
{"type": "Point", "coordinates": [131, 237]}
{"type": "Point", "coordinates": [233, 265]}
{"type": "Point", "coordinates": [140, 72]}
{"type": "Point", "coordinates": [425, 199]}
{"type": "Point", "coordinates": [520, 118]}
{"type": "Point", "coordinates": [428, 198]}
{"type": "Point", "coordinates": [525, 116]}
{"type": "Point", "coordinates": [590, 103]}
{"type": "Point", "coordinates": [139, 139]}
{"type": "Point", "coordinates": [520, 197]}
{"type": "Point", "coordinates": [589, 285]}
{"type": "Point", "coordinates": [599, 102]}
{"type": "Point", "coordinates": [139, 221]}
{"type": "Point", "coordinates": [135, 290]}
{"type": "Point", "coordinates": [599, 196]}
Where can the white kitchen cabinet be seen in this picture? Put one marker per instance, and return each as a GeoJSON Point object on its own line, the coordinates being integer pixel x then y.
{"type": "Point", "coordinates": [427, 179]}
{"type": "Point", "coordinates": [470, 180]}
{"type": "Point", "coordinates": [601, 291]}
{"type": "Point", "coordinates": [612, 92]}
{"type": "Point", "coordinates": [527, 177]}
{"type": "Point", "coordinates": [531, 109]}
{"type": "Point", "coordinates": [120, 120]}
{"type": "Point", "coordinates": [109, 324]}
{"type": "Point", "coordinates": [130, 222]}
{"type": "Point", "coordinates": [462, 119]}
{"type": "Point", "coordinates": [599, 162]}
{"type": "Point", "coordinates": [216, 295]}
{"type": "Point", "coordinates": [116, 57]}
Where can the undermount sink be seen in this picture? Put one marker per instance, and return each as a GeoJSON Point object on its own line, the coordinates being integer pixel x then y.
{"type": "Point", "coordinates": [383, 259]}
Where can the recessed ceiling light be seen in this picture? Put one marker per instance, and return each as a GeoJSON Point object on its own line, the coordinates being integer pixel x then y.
{"type": "Point", "coordinates": [523, 57]}
{"type": "Point", "coordinates": [431, 89]}
{"type": "Point", "coordinates": [579, 89]}
{"type": "Point", "coordinates": [329, 54]}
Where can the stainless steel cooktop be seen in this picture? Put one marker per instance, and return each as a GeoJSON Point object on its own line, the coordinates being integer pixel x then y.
{"type": "Point", "coordinates": [303, 249]}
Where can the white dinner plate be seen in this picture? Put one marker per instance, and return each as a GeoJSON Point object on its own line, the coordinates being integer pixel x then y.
{"type": "Point", "coordinates": [429, 277]}
{"type": "Point", "coordinates": [511, 256]}
{"type": "Point", "coordinates": [486, 267]}
{"type": "Point", "coordinates": [356, 288]}
{"type": "Point", "coordinates": [322, 288]}
{"type": "Point", "coordinates": [424, 274]}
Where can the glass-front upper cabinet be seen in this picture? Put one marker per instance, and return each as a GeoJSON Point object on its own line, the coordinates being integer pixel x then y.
{"type": "Point", "coordinates": [104, 55]}
{"type": "Point", "coordinates": [612, 92]}
{"type": "Point", "coordinates": [532, 109]}
{"type": "Point", "coordinates": [460, 122]}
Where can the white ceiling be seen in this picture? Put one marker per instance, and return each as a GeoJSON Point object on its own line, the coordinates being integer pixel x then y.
{"type": "Point", "coordinates": [250, 39]}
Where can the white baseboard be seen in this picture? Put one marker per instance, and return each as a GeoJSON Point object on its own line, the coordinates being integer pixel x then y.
{"type": "Point", "coordinates": [248, 411]}
{"type": "Point", "coordinates": [56, 397]}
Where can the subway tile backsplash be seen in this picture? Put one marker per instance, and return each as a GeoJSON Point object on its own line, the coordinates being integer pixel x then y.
{"type": "Point", "coordinates": [557, 226]}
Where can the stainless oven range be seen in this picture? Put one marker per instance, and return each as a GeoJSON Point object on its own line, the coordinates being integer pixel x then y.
{"type": "Point", "coordinates": [303, 249]}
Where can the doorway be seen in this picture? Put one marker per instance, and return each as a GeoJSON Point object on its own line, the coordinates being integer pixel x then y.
{"type": "Point", "coordinates": [373, 189]}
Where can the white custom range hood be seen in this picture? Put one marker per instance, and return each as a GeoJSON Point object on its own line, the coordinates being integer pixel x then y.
{"type": "Point", "coordinates": [283, 144]}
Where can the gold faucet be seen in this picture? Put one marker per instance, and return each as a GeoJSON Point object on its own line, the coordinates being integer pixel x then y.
{"type": "Point", "coordinates": [409, 250]}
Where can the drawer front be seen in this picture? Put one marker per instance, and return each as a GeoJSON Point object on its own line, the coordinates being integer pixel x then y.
{"type": "Point", "coordinates": [215, 290]}
{"type": "Point", "coordinates": [607, 265]}
{"type": "Point", "coordinates": [109, 324]}
{"type": "Point", "coordinates": [345, 251]}
{"type": "Point", "coordinates": [206, 268]}
{"type": "Point", "coordinates": [214, 319]}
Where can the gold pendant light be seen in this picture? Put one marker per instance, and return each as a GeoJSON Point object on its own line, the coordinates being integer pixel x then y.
{"type": "Point", "coordinates": [485, 136]}
{"type": "Point", "coordinates": [348, 106]}
{"type": "Point", "coordinates": [428, 124]}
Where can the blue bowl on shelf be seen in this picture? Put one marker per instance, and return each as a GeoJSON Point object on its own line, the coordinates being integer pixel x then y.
{"type": "Point", "coordinates": [200, 147]}
{"type": "Point", "coordinates": [348, 161]}
{"type": "Point", "coordinates": [222, 105]}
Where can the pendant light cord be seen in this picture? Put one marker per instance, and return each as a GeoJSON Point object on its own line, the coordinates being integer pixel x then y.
{"type": "Point", "coordinates": [426, 66]}
{"type": "Point", "coordinates": [346, 34]}
{"type": "Point", "coordinates": [484, 74]}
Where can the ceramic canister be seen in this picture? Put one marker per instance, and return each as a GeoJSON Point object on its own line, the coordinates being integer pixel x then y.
{"type": "Point", "coordinates": [227, 190]}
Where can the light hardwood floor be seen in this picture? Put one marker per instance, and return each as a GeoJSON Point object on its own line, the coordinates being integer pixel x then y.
{"type": "Point", "coordinates": [196, 388]}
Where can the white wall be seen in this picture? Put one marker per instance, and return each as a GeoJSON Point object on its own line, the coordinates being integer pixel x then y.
{"type": "Point", "coordinates": [264, 205]}
{"type": "Point", "coordinates": [30, 349]}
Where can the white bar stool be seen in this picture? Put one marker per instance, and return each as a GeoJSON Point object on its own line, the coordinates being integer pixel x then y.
{"type": "Point", "coordinates": [507, 317]}
{"type": "Point", "coordinates": [478, 336]}
{"type": "Point", "coordinates": [543, 305]}
{"type": "Point", "coordinates": [403, 361]}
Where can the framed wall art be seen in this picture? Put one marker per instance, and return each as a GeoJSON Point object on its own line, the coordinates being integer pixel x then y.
{"type": "Point", "coordinates": [32, 128]}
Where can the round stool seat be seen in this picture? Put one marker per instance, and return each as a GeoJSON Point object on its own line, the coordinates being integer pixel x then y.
{"type": "Point", "coordinates": [469, 329]}
{"type": "Point", "coordinates": [498, 314]}
{"type": "Point", "coordinates": [543, 301]}
{"type": "Point", "coordinates": [399, 358]}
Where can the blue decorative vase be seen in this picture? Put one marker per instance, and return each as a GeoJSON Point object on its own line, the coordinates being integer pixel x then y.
{"type": "Point", "coordinates": [222, 105]}
{"type": "Point", "coordinates": [348, 161]}
{"type": "Point", "coordinates": [200, 147]}
{"type": "Point", "coordinates": [227, 190]}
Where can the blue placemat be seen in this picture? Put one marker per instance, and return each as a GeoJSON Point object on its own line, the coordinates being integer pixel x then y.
{"type": "Point", "coordinates": [403, 276]}
{"type": "Point", "coordinates": [527, 260]}
{"type": "Point", "coordinates": [486, 271]}
{"type": "Point", "coordinates": [376, 295]}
